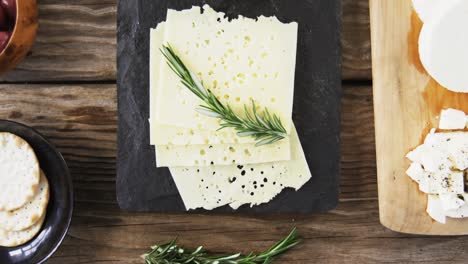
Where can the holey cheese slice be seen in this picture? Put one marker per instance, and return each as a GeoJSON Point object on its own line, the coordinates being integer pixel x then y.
{"type": "Point", "coordinates": [178, 146]}
{"type": "Point", "coordinates": [223, 154]}
{"type": "Point", "coordinates": [239, 61]}
{"type": "Point", "coordinates": [173, 135]}
{"type": "Point", "coordinates": [443, 46]}
{"type": "Point", "coordinates": [214, 186]}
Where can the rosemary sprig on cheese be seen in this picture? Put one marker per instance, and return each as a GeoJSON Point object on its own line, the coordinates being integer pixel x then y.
{"type": "Point", "coordinates": [172, 253]}
{"type": "Point", "coordinates": [265, 127]}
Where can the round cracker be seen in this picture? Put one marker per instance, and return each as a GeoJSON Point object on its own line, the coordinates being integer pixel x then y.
{"type": "Point", "coordinates": [19, 172]}
{"type": "Point", "coordinates": [30, 213]}
{"type": "Point", "coordinates": [17, 238]}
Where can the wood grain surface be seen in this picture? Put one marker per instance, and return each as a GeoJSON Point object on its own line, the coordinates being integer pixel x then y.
{"type": "Point", "coordinates": [81, 121]}
{"type": "Point", "coordinates": [77, 42]}
{"type": "Point", "coordinates": [407, 103]}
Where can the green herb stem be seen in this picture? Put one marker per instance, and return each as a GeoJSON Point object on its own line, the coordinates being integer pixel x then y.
{"type": "Point", "coordinates": [171, 253]}
{"type": "Point", "coordinates": [264, 127]}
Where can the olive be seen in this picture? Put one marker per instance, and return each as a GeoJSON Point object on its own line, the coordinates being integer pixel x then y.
{"type": "Point", "coordinates": [10, 7]}
{"type": "Point", "coordinates": [3, 19]}
{"type": "Point", "coordinates": [4, 37]}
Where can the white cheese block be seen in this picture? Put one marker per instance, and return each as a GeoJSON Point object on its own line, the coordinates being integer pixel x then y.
{"type": "Point", "coordinates": [441, 150]}
{"type": "Point", "coordinates": [452, 119]}
{"type": "Point", "coordinates": [460, 212]}
{"type": "Point", "coordinates": [453, 145]}
{"type": "Point", "coordinates": [444, 181]}
{"type": "Point", "coordinates": [221, 154]}
{"type": "Point", "coordinates": [416, 172]}
{"type": "Point", "coordinates": [213, 186]}
{"type": "Point", "coordinates": [451, 201]}
{"type": "Point", "coordinates": [427, 9]}
{"type": "Point", "coordinates": [239, 61]}
{"type": "Point", "coordinates": [442, 46]}
{"type": "Point", "coordinates": [435, 209]}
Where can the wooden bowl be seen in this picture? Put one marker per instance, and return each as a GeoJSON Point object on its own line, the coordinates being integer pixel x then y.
{"type": "Point", "coordinates": [22, 37]}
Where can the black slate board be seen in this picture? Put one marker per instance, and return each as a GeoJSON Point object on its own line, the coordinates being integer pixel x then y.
{"type": "Point", "coordinates": [143, 187]}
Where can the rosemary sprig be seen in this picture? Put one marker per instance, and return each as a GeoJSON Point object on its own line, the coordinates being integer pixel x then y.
{"type": "Point", "coordinates": [265, 127]}
{"type": "Point", "coordinates": [174, 254]}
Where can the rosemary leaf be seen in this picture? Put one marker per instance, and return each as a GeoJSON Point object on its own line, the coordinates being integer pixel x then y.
{"type": "Point", "coordinates": [265, 127]}
{"type": "Point", "coordinates": [172, 253]}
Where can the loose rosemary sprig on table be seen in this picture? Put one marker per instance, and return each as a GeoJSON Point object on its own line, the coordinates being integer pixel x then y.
{"type": "Point", "coordinates": [265, 127]}
{"type": "Point", "coordinates": [174, 254]}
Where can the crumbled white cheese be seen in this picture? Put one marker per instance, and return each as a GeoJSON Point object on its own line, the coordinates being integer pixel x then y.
{"type": "Point", "coordinates": [452, 119]}
{"type": "Point", "coordinates": [438, 167]}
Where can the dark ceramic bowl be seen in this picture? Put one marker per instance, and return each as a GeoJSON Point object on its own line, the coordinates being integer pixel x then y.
{"type": "Point", "coordinates": [60, 208]}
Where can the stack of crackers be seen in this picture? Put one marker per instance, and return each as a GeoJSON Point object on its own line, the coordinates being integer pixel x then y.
{"type": "Point", "coordinates": [24, 192]}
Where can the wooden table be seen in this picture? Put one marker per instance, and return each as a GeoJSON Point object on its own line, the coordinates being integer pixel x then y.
{"type": "Point", "coordinates": [66, 89]}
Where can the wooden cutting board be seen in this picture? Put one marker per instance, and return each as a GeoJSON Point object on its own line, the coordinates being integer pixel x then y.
{"type": "Point", "coordinates": [407, 102]}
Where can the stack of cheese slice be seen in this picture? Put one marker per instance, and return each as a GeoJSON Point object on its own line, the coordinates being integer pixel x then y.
{"type": "Point", "coordinates": [24, 192]}
{"type": "Point", "coordinates": [240, 61]}
{"type": "Point", "coordinates": [440, 167]}
{"type": "Point", "coordinates": [443, 41]}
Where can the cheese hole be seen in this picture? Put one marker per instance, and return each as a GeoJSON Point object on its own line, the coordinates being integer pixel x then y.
{"type": "Point", "coordinates": [232, 149]}
{"type": "Point", "coordinates": [207, 41]}
{"type": "Point", "coordinates": [202, 152]}
{"type": "Point", "coordinates": [273, 99]}
{"type": "Point", "coordinates": [226, 96]}
{"type": "Point", "coordinates": [247, 152]}
{"type": "Point", "coordinates": [264, 55]}
{"type": "Point", "coordinates": [237, 99]}
{"type": "Point", "coordinates": [247, 38]}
